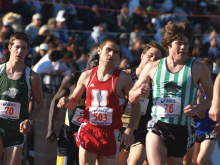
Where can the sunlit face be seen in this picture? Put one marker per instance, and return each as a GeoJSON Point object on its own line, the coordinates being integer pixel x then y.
{"type": "Point", "coordinates": [179, 48]}
{"type": "Point", "coordinates": [153, 54]}
{"type": "Point", "coordinates": [18, 50]}
{"type": "Point", "coordinates": [109, 54]}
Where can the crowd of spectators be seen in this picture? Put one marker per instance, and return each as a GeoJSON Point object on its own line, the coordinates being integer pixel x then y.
{"type": "Point", "coordinates": [61, 32]}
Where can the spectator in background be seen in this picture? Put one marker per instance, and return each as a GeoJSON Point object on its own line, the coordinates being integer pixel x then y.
{"type": "Point", "coordinates": [213, 49]}
{"type": "Point", "coordinates": [97, 35]}
{"type": "Point", "coordinates": [60, 24]}
{"type": "Point", "coordinates": [138, 16]}
{"type": "Point", "coordinates": [124, 39]}
{"type": "Point", "coordinates": [138, 32]}
{"type": "Point", "coordinates": [73, 46]}
{"type": "Point", "coordinates": [15, 21]}
{"type": "Point", "coordinates": [7, 29]}
{"type": "Point", "coordinates": [52, 27]}
{"type": "Point", "coordinates": [124, 20]}
{"type": "Point", "coordinates": [45, 66]}
{"type": "Point", "coordinates": [179, 9]}
{"type": "Point", "coordinates": [43, 36]}
{"type": "Point", "coordinates": [42, 52]}
{"type": "Point", "coordinates": [5, 56]}
{"type": "Point", "coordinates": [52, 46]}
{"type": "Point", "coordinates": [136, 50]}
{"type": "Point", "coordinates": [82, 61]}
{"type": "Point", "coordinates": [32, 29]}
{"type": "Point", "coordinates": [216, 66]}
{"type": "Point", "coordinates": [213, 34]}
{"type": "Point", "coordinates": [91, 18]}
{"type": "Point", "coordinates": [17, 25]}
{"type": "Point", "coordinates": [124, 64]}
{"type": "Point", "coordinates": [70, 61]}
{"type": "Point", "coordinates": [4, 41]}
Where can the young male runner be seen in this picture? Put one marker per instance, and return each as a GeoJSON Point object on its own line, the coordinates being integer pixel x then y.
{"type": "Point", "coordinates": [67, 150]}
{"type": "Point", "coordinates": [175, 83]}
{"type": "Point", "coordinates": [106, 88]}
{"type": "Point", "coordinates": [17, 83]}
{"type": "Point", "coordinates": [135, 154]}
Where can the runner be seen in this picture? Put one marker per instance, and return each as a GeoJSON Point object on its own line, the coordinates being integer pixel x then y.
{"type": "Point", "coordinates": [205, 139]}
{"type": "Point", "coordinates": [135, 154]}
{"type": "Point", "coordinates": [175, 83]}
{"type": "Point", "coordinates": [17, 83]}
{"type": "Point", "coordinates": [67, 150]}
{"type": "Point", "coordinates": [106, 87]}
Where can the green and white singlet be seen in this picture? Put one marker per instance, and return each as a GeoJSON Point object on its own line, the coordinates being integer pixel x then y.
{"type": "Point", "coordinates": [14, 99]}
{"type": "Point", "coordinates": [172, 92]}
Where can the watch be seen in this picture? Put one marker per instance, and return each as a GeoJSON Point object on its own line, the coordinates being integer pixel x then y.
{"type": "Point", "coordinates": [31, 122]}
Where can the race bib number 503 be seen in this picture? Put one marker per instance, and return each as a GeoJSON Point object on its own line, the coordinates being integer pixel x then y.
{"type": "Point", "coordinates": [9, 109]}
{"type": "Point", "coordinates": [100, 115]}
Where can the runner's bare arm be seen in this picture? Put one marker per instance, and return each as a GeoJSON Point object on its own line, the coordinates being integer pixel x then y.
{"type": "Point", "coordinates": [127, 137]}
{"type": "Point", "coordinates": [141, 87]}
{"type": "Point", "coordinates": [207, 85]}
{"type": "Point", "coordinates": [203, 77]}
{"type": "Point", "coordinates": [214, 111]}
{"type": "Point", "coordinates": [64, 90]}
{"type": "Point", "coordinates": [200, 98]}
{"type": "Point", "coordinates": [38, 97]}
{"type": "Point", "coordinates": [71, 102]}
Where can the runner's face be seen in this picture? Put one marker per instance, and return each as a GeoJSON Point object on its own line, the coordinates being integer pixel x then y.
{"type": "Point", "coordinates": [153, 54]}
{"type": "Point", "coordinates": [18, 50]}
{"type": "Point", "coordinates": [179, 48]}
{"type": "Point", "coordinates": [109, 54]}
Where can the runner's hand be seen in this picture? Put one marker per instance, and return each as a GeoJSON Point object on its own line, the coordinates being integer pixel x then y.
{"type": "Point", "coordinates": [51, 136]}
{"type": "Point", "coordinates": [144, 89]}
{"type": "Point", "coordinates": [216, 129]}
{"type": "Point", "coordinates": [25, 126]}
{"type": "Point", "coordinates": [63, 102]}
{"type": "Point", "coordinates": [190, 111]}
{"type": "Point", "coordinates": [214, 113]}
{"type": "Point", "coordinates": [128, 137]}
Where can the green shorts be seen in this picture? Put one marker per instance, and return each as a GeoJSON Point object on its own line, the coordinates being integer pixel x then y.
{"type": "Point", "coordinates": [11, 138]}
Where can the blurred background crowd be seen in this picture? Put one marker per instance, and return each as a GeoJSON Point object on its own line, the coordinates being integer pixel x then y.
{"type": "Point", "coordinates": [71, 27]}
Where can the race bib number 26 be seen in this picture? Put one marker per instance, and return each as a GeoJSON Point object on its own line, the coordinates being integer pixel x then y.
{"type": "Point", "coordinates": [77, 118]}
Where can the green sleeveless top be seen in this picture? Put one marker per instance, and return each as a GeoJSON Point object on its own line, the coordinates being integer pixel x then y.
{"type": "Point", "coordinates": [14, 99]}
{"type": "Point", "coordinates": [172, 92]}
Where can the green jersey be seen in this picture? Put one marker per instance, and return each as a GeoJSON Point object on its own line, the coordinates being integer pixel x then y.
{"type": "Point", "coordinates": [172, 92]}
{"type": "Point", "coordinates": [14, 99]}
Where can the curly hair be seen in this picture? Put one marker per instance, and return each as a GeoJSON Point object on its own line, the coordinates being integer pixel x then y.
{"type": "Point", "coordinates": [175, 30]}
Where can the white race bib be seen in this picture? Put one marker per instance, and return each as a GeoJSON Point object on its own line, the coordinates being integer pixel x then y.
{"type": "Point", "coordinates": [77, 118]}
{"type": "Point", "coordinates": [9, 109]}
{"type": "Point", "coordinates": [143, 103]}
{"type": "Point", "coordinates": [168, 107]}
{"type": "Point", "coordinates": [100, 115]}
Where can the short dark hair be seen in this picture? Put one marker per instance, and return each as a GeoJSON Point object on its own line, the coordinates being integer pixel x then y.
{"type": "Point", "coordinates": [19, 36]}
{"type": "Point", "coordinates": [113, 40]}
{"type": "Point", "coordinates": [55, 55]}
